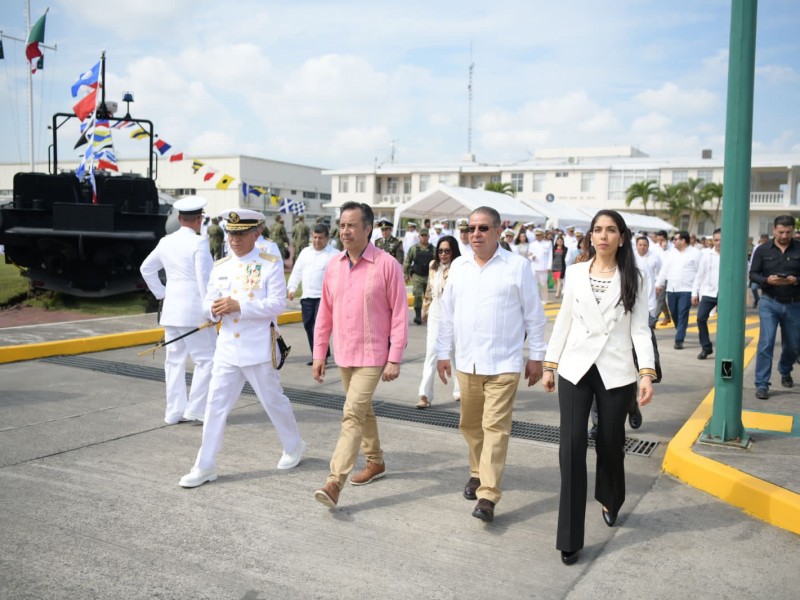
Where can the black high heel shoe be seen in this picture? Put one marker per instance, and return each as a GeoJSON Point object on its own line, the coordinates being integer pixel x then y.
{"type": "Point", "coordinates": [569, 558]}
{"type": "Point", "coordinates": [609, 517]}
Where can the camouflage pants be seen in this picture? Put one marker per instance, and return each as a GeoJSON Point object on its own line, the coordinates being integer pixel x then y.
{"type": "Point", "coordinates": [419, 283]}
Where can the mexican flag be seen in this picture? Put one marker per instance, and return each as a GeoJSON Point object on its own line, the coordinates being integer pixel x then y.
{"type": "Point", "coordinates": [35, 37]}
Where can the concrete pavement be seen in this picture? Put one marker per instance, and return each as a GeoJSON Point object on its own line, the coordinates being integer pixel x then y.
{"type": "Point", "coordinates": [91, 506]}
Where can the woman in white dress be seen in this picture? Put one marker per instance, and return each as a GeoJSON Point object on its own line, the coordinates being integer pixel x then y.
{"type": "Point", "coordinates": [446, 252]}
{"type": "Point", "coordinates": [521, 244]}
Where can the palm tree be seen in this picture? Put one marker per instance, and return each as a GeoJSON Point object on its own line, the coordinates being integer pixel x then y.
{"type": "Point", "coordinates": [692, 190]}
{"type": "Point", "coordinates": [500, 187]}
{"type": "Point", "coordinates": [674, 202]}
{"type": "Point", "coordinates": [713, 191]}
{"type": "Point", "coordinates": [642, 189]}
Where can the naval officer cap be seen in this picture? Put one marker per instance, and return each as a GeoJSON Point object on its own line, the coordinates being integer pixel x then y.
{"type": "Point", "coordinates": [508, 232]}
{"type": "Point", "coordinates": [190, 205]}
{"type": "Point", "coordinates": [462, 224]}
{"type": "Point", "coordinates": [385, 224]}
{"type": "Point", "coordinates": [538, 230]}
{"type": "Point", "coordinates": [241, 219]}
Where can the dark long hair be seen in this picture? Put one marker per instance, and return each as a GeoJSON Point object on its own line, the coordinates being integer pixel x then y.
{"type": "Point", "coordinates": [626, 261]}
{"type": "Point", "coordinates": [455, 251]}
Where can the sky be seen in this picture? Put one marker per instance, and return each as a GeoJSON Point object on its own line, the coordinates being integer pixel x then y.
{"type": "Point", "coordinates": [338, 84]}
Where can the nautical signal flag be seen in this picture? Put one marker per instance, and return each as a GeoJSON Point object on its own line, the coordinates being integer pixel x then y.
{"type": "Point", "coordinates": [210, 174]}
{"type": "Point", "coordinates": [35, 37]}
{"type": "Point", "coordinates": [225, 182]}
{"type": "Point", "coordinates": [162, 147]}
{"type": "Point", "coordinates": [176, 157]}
{"type": "Point", "coordinates": [86, 105]}
{"type": "Point", "coordinates": [196, 166]}
{"type": "Point", "coordinates": [138, 134]}
{"type": "Point", "coordinates": [90, 78]}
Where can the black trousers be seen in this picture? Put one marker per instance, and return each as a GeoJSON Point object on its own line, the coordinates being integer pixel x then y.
{"type": "Point", "coordinates": [575, 402]}
{"type": "Point", "coordinates": [308, 309]}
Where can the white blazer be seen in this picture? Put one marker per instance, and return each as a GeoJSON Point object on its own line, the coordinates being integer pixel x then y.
{"type": "Point", "coordinates": [587, 333]}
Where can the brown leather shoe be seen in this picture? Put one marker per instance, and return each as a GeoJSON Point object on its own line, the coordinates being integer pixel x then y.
{"type": "Point", "coordinates": [369, 473]}
{"type": "Point", "coordinates": [472, 486]}
{"type": "Point", "coordinates": [484, 510]}
{"type": "Point", "coordinates": [328, 495]}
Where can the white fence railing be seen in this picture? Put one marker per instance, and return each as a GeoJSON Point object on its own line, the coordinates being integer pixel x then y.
{"type": "Point", "coordinates": [767, 198]}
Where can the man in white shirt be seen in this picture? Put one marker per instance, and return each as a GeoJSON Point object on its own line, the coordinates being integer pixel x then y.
{"type": "Point", "coordinates": [463, 237]}
{"type": "Point", "coordinates": [309, 269]}
{"type": "Point", "coordinates": [705, 290]}
{"type": "Point", "coordinates": [540, 252]}
{"type": "Point", "coordinates": [186, 258]}
{"type": "Point", "coordinates": [486, 312]}
{"type": "Point", "coordinates": [678, 270]}
{"type": "Point", "coordinates": [411, 237]}
{"type": "Point", "coordinates": [570, 241]}
{"type": "Point", "coordinates": [436, 235]}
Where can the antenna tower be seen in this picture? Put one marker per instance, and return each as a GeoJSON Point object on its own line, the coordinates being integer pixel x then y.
{"type": "Point", "coordinates": [469, 109]}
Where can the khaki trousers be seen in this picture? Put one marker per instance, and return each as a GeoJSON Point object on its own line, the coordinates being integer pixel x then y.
{"type": "Point", "coordinates": [359, 425]}
{"type": "Point", "coordinates": [486, 405]}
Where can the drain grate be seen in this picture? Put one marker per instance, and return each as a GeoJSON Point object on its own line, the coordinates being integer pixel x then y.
{"type": "Point", "coordinates": [548, 434]}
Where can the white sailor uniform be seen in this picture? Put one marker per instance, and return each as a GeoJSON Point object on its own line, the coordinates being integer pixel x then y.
{"type": "Point", "coordinates": [244, 351]}
{"type": "Point", "coordinates": [186, 258]}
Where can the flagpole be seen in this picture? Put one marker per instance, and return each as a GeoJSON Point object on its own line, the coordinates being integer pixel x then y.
{"type": "Point", "coordinates": [30, 87]}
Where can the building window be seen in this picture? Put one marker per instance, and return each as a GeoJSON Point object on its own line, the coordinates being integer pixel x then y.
{"type": "Point", "coordinates": [620, 181]}
{"type": "Point", "coordinates": [516, 181]}
{"type": "Point", "coordinates": [562, 174]}
{"type": "Point", "coordinates": [445, 178]}
{"type": "Point", "coordinates": [391, 185]}
{"type": "Point", "coordinates": [343, 188]}
{"type": "Point", "coordinates": [361, 184]}
{"type": "Point", "coordinates": [705, 175]}
{"type": "Point", "coordinates": [478, 182]}
{"type": "Point", "coordinates": [324, 196]}
{"type": "Point", "coordinates": [406, 185]}
{"type": "Point", "coordinates": [587, 181]}
{"type": "Point", "coordinates": [424, 183]}
{"type": "Point", "coordinates": [538, 182]}
{"type": "Point", "coordinates": [679, 176]}
{"type": "Point", "coordinates": [309, 194]}
{"type": "Point", "coordinates": [178, 192]}
{"type": "Point", "coordinates": [495, 179]}
{"type": "Point", "coordinates": [378, 185]}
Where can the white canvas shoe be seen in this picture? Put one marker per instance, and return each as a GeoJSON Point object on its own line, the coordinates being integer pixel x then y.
{"type": "Point", "coordinates": [197, 477]}
{"type": "Point", "coordinates": [292, 459]}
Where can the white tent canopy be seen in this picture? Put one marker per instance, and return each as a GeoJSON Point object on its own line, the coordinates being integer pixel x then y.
{"type": "Point", "coordinates": [447, 202]}
{"type": "Point", "coordinates": [561, 216]}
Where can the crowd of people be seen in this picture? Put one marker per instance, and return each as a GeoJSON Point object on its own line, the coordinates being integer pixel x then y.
{"type": "Point", "coordinates": [602, 354]}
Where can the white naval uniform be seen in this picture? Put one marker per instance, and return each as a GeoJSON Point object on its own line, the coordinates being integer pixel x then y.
{"type": "Point", "coordinates": [186, 258]}
{"type": "Point", "coordinates": [244, 351]}
{"type": "Point", "coordinates": [541, 255]}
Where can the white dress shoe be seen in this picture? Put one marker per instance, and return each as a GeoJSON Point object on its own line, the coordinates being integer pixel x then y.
{"type": "Point", "coordinates": [197, 477]}
{"type": "Point", "coordinates": [291, 459]}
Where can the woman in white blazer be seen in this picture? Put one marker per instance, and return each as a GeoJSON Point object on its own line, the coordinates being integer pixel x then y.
{"type": "Point", "coordinates": [603, 318]}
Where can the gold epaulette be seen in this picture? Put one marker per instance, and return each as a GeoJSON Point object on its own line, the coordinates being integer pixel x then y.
{"type": "Point", "coordinates": [268, 256]}
{"type": "Point", "coordinates": [222, 260]}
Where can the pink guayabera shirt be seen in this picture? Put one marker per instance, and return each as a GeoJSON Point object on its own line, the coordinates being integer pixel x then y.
{"type": "Point", "coordinates": [366, 308]}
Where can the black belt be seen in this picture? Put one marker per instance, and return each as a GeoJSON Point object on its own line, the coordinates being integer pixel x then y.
{"type": "Point", "coordinates": [783, 300]}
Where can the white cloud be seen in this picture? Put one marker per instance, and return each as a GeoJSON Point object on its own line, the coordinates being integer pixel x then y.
{"type": "Point", "coordinates": [671, 99]}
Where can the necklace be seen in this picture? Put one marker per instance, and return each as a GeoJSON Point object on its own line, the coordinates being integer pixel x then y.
{"type": "Point", "coordinates": [611, 270]}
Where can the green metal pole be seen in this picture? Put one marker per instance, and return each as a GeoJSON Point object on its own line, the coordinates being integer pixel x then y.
{"type": "Point", "coordinates": [726, 426]}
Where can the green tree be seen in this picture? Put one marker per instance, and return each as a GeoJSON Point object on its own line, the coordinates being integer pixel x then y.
{"type": "Point", "coordinates": [500, 187]}
{"type": "Point", "coordinates": [713, 191]}
{"type": "Point", "coordinates": [673, 201]}
{"type": "Point", "coordinates": [696, 200]}
{"type": "Point", "coordinates": [642, 189]}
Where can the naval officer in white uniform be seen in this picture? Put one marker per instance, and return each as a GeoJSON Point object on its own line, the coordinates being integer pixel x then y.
{"type": "Point", "coordinates": [246, 292]}
{"type": "Point", "coordinates": [186, 258]}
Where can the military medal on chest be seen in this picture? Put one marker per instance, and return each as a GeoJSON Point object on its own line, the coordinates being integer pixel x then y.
{"type": "Point", "coordinates": [252, 276]}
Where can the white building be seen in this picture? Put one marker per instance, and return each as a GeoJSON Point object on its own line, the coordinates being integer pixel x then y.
{"type": "Point", "coordinates": [281, 180]}
{"type": "Point", "coordinates": [587, 177]}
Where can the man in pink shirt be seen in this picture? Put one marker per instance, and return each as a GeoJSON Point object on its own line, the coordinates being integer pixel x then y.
{"type": "Point", "coordinates": [364, 295]}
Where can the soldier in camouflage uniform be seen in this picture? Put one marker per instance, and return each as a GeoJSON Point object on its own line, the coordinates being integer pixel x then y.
{"type": "Point", "coordinates": [387, 242]}
{"type": "Point", "coordinates": [216, 239]}
{"type": "Point", "coordinates": [416, 268]}
{"type": "Point", "coordinates": [278, 235]}
{"type": "Point", "coordinates": [300, 235]}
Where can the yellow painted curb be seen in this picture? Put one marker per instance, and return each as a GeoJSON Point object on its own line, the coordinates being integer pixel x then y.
{"type": "Point", "coordinates": [101, 342]}
{"type": "Point", "coordinates": [767, 421]}
{"type": "Point", "coordinates": [767, 501]}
